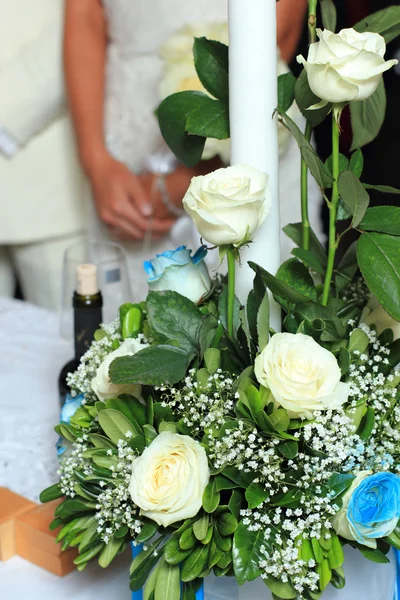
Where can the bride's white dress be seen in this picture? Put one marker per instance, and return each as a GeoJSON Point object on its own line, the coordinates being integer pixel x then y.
{"type": "Point", "coordinates": [137, 29]}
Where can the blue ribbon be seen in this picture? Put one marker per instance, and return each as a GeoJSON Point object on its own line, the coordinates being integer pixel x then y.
{"type": "Point", "coordinates": [397, 586]}
{"type": "Point", "coordinates": [139, 594]}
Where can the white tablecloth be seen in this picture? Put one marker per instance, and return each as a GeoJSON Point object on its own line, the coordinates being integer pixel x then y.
{"type": "Point", "coordinates": [31, 355]}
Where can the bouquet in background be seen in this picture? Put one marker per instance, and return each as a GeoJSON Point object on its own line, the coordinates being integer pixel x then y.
{"type": "Point", "coordinates": [200, 432]}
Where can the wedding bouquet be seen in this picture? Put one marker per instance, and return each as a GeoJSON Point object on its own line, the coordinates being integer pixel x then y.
{"type": "Point", "coordinates": [215, 441]}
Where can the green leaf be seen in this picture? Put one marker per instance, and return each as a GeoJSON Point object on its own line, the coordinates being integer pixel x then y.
{"type": "Point", "coordinates": [195, 564]}
{"type": "Point", "coordinates": [227, 523]}
{"type": "Point", "coordinates": [172, 115]}
{"type": "Point", "coordinates": [110, 551]}
{"type": "Point", "coordinates": [210, 120]}
{"type": "Point", "coordinates": [200, 527]}
{"type": "Point", "coordinates": [357, 163]}
{"type": "Point", "coordinates": [296, 276]}
{"type": "Point", "coordinates": [174, 553]}
{"type": "Point", "coordinates": [212, 360]}
{"type": "Point", "coordinates": [358, 341]}
{"type": "Point", "coordinates": [339, 483]}
{"type": "Point", "coordinates": [353, 195]}
{"type": "Point", "coordinates": [156, 365]}
{"type": "Point", "coordinates": [223, 310]}
{"type": "Point", "coordinates": [148, 530]}
{"type": "Point", "coordinates": [295, 232]}
{"type": "Point", "coordinates": [309, 260]}
{"type": "Point", "coordinates": [367, 117]}
{"type": "Point", "coordinates": [212, 66]}
{"type": "Point", "coordinates": [373, 555]}
{"type": "Point", "coordinates": [347, 268]}
{"type": "Point", "coordinates": [384, 189]}
{"type": "Point", "coordinates": [101, 441]}
{"type": "Point", "coordinates": [288, 449]}
{"type": "Point", "coordinates": [334, 328]}
{"type": "Point", "coordinates": [329, 15]}
{"type": "Point", "coordinates": [256, 494]}
{"type": "Point", "coordinates": [51, 493]}
{"type": "Point", "coordinates": [314, 163]}
{"type": "Point", "coordinates": [132, 409]}
{"type": "Point", "coordinates": [143, 563]}
{"type": "Point", "coordinates": [367, 424]}
{"type": "Point", "coordinates": [148, 590]}
{"type": "Point", "coordinates": [254, 300]}
{"type": "Point", "coordinates": [263, 322]}
{"type": "Point", "coordinates": [379, 260]}
{"type": "Point", "coordinates": [305, 98]}
{"type": "Point", "coordinates": [168, 584]}
{"type": "Point", "coordinates": [279, 420]}
{"type": "Point", "coordinates": [114, 424]}
{"type": "Point", "coordinates": [132, 323]}
{"type": "Point", "coordinates": [286, 84]}
{"type": "Point", "coordinates": [282, 590]}
{"type": "Point", "coordinates": [384, 219]}
{"type": "Point", "coordinates": [172, 316]}
{"type": "Point", "coordinates": [211, 497]}
{"type": "Point", "coordinates": [246, 553]}
{"type": "Point", "coordinates": [278, 287]}
{"type": "Point", "coordinates": [236, 503]}
{"type": "Point", "coordinates": [343, 163]}
{"type": "Point", "coordinates": [386, 22]}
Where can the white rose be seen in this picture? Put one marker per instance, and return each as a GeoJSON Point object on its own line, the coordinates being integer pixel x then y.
{"type": "Point", "coordinates": [179, 271]}
{"type": "Point", "coordinates": [345, 66]}
{"type": "Point", "coordinates": [169, 478]}
{"type": "Point", "coordinates": [373, 314]}
{"type": "Point", "coordinates": [101, 383]}
{"type": "Point", "coordinates": [228, 205]}
{"type": "Point", "coordinates": [302, 375]}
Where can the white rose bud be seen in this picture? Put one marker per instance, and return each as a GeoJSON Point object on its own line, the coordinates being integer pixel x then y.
{"type": "Point", "coordinates": [373, 314]}
{"type": "Point", "coordinates": [228, 205]}
{"type": "Point", "coordinates": [302, 375]}
{"type": "Point", "coordinates": [101, 383]}
{"type": "Point", "coordinates": [345, 66]}
{"type": "Point", "coordinates": [169, 478]}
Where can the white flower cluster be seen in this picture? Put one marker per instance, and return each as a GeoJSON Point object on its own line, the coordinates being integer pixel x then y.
{"type": "Point", "coordinates": [80, 381]}
{"type": "Point", "coordinates": [114, 506]}
{"type": "Point", "coordinates": [203, 406]}
{"type": "Point", "coordinates": [370, 384]}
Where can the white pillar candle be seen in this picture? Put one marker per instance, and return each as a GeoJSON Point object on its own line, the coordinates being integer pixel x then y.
{"type": "Point", "coordinates": [254, 132]}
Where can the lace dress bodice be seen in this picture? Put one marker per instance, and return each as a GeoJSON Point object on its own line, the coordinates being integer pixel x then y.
{"type": "Point", "coordinates": [136, 30]}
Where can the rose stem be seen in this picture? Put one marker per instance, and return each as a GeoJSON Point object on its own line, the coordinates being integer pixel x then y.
{"type": "Point", "coordinates": [231, 289]}
{"type": "Point", "coordinates": [312, 25]}
{"type": "Point", "coordinates": [333, 208]}
{"type": "Point", "coordinates": [304, 195]}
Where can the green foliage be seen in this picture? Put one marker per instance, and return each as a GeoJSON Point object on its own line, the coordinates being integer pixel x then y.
{"type": "Point", "coordinates": [246, 552]}
{"type": "Point", "coordinates": [294, 232]}
{"type": "Point", "coordinates": [386, 22]}
{"type": "Point", "coordinates": [212, 66]}
{"type": "Point", "coordinates": [305, 98]}
{"type": "Point", "coordinates": [156, 365]}
{"type": "Point", "coordinates": [354, 196]}
{"type": "Point", "coordinates": [367, 117]}
{"type": "Point", "coordinates": [329, 15]}
{"type": "Point", "coordinates": [286, 85]}
{"type": "Point", "coordinates": [379, 260]}
{"type": "Point", "coordinates": [383, 219]}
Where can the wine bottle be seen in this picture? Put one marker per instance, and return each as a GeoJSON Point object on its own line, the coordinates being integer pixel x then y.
{"type": "Point", "coordinates": [87, 302]}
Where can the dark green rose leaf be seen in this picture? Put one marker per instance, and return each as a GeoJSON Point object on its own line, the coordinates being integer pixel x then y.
{"type": "Point", "coordinates": [295, 232]}
{"type": "Point", "coordinates": [367, 117]}
{"type": "Point", "coordinates": [384, 189]}
{"type": "Point", "coordinates": [256, 494]}
{"type": "Point", "coordinates": [329, 14]}
{"type": "Point", "coordinates": [384, 219]}
{"type": "Point", "coordinates": [296, 275]}
{"type": "Point", "coordinates": [172, 316]}
{"type": "Point", "coordinates": [353, 195]}
{"type": "Point", "coordinates": [386, 22]}
{"type": "Point", "coordinates": [286, 84]}
{"type": "Point", "coordinates": [209, 120]}
{"type": "Point", "coordinates": [212, 65]}
{"type": "Point", "coordinates": [378, 256]}
{"type": "Point", "coordinates": [246, 553]}
{"type": "Point", "coordinates": [343, 163]}
{"type": "Point", "coordinates": [156, 365]}
{"type": "Point", "coordinates": [334, 329]}
{"type": "Point", "coordinates": [280, 288]}
{"type": "Point", "coordinates": [309, 260]}
{"type": "Point", "coordinates": [172, 115]}
{"type": "Point", "coordinates": [357, 163]}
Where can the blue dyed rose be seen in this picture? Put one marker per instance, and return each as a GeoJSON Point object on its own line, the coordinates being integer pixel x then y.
{"type": "Point", "coordinates": [371, 508]}
{"type": "Point", "coordinates": [179, 271]}
{"type": "Point", "coordinates": [68, 410]}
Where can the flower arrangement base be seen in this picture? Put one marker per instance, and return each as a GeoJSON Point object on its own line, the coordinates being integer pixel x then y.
{"type": "Point", "coordinates": [37, 544]}
{"type": "Point", "coordinates": [11, 506]}
{"type": "Point", "coordinates": [139, 594]}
